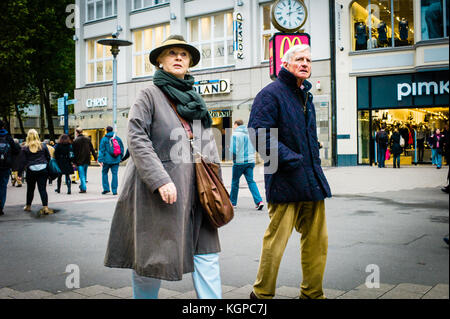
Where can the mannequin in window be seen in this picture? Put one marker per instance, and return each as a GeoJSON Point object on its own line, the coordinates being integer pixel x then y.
{"type": "Point", "coordinates": [382, 34]}
{"type": "Point", "coordinates": [361, 35]}
{"type": "Point", "coordinates": [404, 28]}
{"type": "Point", "coordinates": [433, 18]}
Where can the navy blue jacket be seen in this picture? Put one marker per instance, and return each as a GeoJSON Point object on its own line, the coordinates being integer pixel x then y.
{"type": "Point", "coordinates": [299, 176]}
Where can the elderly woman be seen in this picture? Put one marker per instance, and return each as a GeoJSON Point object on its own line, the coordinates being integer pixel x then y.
{"type": "Point", "coordinates": [159, 228]}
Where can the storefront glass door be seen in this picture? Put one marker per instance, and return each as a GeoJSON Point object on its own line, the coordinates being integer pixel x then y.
{"type": "Point", "coordinates": [363, 137]}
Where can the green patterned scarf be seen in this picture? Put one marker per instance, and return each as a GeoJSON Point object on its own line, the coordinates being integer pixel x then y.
{"type": "Point", "coordinates": [190, 104]}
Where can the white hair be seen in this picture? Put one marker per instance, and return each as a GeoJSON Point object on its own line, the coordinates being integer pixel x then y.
{"type": "Point", "coordinates": [293, 50]}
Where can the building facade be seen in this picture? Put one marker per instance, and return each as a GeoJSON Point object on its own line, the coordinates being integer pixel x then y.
{"type": "Point", "coordinates": [391, 68]}
{"type": "Point", "coordinates": [234, 66]}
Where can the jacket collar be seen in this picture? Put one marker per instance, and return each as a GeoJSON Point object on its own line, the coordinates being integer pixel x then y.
{"type": "Point", "coordinates": [109, 134]}
{"type": "Point", "coordinates": [289, 79]}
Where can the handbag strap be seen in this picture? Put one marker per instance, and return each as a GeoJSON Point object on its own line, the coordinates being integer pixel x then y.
{"type": "Point", "coordinates": [186, 125]}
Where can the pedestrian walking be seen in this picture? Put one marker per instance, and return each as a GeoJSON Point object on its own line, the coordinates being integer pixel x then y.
{"type": "Point", "coordinates": [37, 157]}
{"type": "Point", "coordinates": [382, 140]}
{"type": "Point", "coordinates": [7, 149]}
{"type": "Point", "coordinates": [396, 148]}
{"type": "Point", "coordinates": [17, 165]}
{"type": "Point", "coordinates": [243, 154]}
{"type": "Point", "coordinates": [64, 157]}
{"type": "Point", "coordinates": [159, 228]}
{"type": "Point", "coordinates": [295, 193]}
{"type": "Point", "coordinates": [437, 147]}
{"type": "Point", "coordinates": [82, 149]}
{"type": "Point", "coordinates": [109, 155]}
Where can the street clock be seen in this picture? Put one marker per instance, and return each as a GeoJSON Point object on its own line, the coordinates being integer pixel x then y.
{"type": "Point", "coordinates": [289, 15]}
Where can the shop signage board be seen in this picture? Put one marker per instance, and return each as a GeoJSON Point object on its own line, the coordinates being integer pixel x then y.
{"type": "Point", "coordinates": [211, 87]}
{"type": "Point", "coordinates": [238, 38]}
{"type": "Point", "coordinates": [97, 102]}
{"type": "Point", "coordinates": [279, 43]}
{"type": "Point", "coordinates": [220, 113]}
{"type": "Point", "coordinates": [420, 89]}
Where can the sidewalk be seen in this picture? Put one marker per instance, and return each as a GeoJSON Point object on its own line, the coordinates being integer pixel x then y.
{"type": "Point", "coordinates": [385, 291]}
{"type": "Point", "coordinates": [344, 181]}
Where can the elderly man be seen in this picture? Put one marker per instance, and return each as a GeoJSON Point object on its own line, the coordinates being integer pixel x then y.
{"type": "Point", "coordinates": [296, 191]}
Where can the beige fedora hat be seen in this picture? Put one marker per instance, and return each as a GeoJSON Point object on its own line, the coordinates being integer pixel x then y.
{"type": "Point", "coordinates": [175, 41]}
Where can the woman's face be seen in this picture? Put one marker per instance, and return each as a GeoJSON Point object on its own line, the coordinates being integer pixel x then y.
{"type": "Point", "coordinates": [176, 61]}
{"type": "Point", "coordinates": [438, 131]}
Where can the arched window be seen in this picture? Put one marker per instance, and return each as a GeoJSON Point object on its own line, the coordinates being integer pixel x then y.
{"type": "Point", "coordinates": [372, 22]}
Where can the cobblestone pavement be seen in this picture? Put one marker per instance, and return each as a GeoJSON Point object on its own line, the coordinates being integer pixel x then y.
{"type": "Point", "coordinates": [385, 291]}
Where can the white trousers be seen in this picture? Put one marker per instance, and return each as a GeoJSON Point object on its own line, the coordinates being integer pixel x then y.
{"type": "Point", "coordinates": [206, 278]}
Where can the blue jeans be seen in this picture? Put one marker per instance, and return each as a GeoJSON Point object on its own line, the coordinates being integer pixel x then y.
{"type": "Point", "coordinates": [82, 172]}
{"type": "Point", "coordinates": [4, 179]}
{"type": "Point", "coordinates": [206, 278]}
{"type": "Point", "coordinates": [114, 183]}
{"type": "Point", "coordinates": [381, 155]}
{"type": "Point", "coordinates": [247, 170]}
{"type": "Point", "coordinates": [437, 158]}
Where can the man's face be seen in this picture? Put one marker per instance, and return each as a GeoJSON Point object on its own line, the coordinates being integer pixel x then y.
{"type": "Point", "coordinates": [300, 65]}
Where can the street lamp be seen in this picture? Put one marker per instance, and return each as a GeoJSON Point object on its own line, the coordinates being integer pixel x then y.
{"type": "Point", "coordinates": [114, 44]}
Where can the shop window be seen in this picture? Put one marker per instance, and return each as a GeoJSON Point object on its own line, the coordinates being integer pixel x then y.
{"type": "Point", "coordinates": [267, 30]}
{"type": "Point", "coordinates": [99, 9]}
{"type": "Point", "coordinates": [213, 37]}
{"type": "Point", "coordinates": [432, 18]}
{"type": "Point", "coordinates": [99, 62]}
{"type": "Point", "coordinates": [141, 4]}
{"type": "Point", "coordinates": [145, 40]}
{"type": "Point", "coordinates": [382, 23]}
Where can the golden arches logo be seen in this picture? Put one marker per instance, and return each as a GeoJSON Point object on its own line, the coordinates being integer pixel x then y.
{"type": "Point", "coordinates": [292, 42]}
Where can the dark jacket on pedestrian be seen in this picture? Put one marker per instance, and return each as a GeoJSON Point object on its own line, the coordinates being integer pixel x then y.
{"type": "Point", "coordinates": [7, 149]}
{"type": "Point", "coordinates": [299, 176]}
{"type": "Point", "coordinates": [40, 157]}
{"type": "Point", "coordinates": [395, 144]}
{"type": "Point", "coordinates": [106, 152]}
{"type": "Point", "coordinates": [64, 158]}
{"type": "Point", "coordinates": [82, 149]}
{"type": "Point", "coordinates": [18, 160]}
{"type": "Point", "coordinates": [437, 142]}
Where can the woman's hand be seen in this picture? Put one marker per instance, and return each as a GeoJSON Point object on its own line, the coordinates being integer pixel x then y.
{"type": "Point", "coordinates": [168, 193]}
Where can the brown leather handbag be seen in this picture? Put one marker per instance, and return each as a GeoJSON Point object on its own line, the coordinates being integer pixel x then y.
{"type": "Point", "coordinates": [213, 195]}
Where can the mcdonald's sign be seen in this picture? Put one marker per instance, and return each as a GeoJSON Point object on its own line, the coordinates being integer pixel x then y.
{"type": "Point", "coordinates": [279, 43]}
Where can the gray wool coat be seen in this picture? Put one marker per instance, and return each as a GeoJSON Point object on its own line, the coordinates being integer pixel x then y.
{"type": "Point", "coordinates": [154, 238]}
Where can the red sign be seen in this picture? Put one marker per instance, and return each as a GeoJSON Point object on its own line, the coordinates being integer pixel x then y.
{"type": "Point", "coordinates": [279, 43]}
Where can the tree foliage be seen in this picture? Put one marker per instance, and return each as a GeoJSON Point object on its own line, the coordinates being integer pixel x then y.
{"type": "Point", "coordinates": [37, 55]}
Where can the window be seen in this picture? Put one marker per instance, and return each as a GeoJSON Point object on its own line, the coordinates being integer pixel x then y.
{"type": "Point", "coordinates": [434, 14]}
{"type": "Point", "coordinates": [99, 9]}
{"type": "Point", "coordinates": [145, 40]}
{"type": "Point", "coordinates": [99, 62]}
{"type": "Point", "coordinates": [390, 23]}
{"type": "Point", "coordinates": [213, 37]}
{"type": "Point", "coordinates": [267, 30]}
{"type": "Point", "coordinates": [141, 4]}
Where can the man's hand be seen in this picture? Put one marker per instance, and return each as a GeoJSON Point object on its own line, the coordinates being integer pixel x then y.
{"type": "Point", "coordinates": [168, 193]}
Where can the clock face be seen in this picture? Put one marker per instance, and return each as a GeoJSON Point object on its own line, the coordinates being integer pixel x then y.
{"type": "Point", "coordinates": [289, 15]}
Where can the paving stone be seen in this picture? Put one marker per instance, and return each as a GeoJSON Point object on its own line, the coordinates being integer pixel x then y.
{"type": "Point", "coordinates": [32, 294]}
{"type": "Point", "coordinates": [333, 293]}
{"type": "Point", "coordinates": [290, 292]}
{"type": "Point", "coordinates": [187, 295]}
{"type": "Point", "coordinates": [124, 292]}
{"type": "Point", "coordinates": [6, 297]}
{"type": "Point", "coordinates": [361, 294]}
{"type": "Point", "coordinates": [167, 294]}
{"type": "Point", "coordinates": [93, 290]}
{"type": "Point", "coordinates": [233, 295]}
{"type": "Point", "coordinates": [382, 289]}
{"type": "Point", "coordinates": [398, 293]}
{"type": "Point", "coordinates": [66, 295]}
{"type": "Point", "coordinates": [5, 292]}
{"type": "Point", "coordinates": [419, 289]}
{"type": "Point", "coordinates": [226, 289]}
{"type": "Point", "coordinates": [440, 291]}
{"type": "Point", "coordinates": [245, 290]}
{"type": "Point", "coordinates": [103, 296]}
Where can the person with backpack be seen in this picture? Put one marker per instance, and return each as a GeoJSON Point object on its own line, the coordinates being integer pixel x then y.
{"type": "Point", "coordinates": [64, 157]}
{"type": "Point", "coordinates": [7, 149]}
{"type": "Point", "coordinates": [109, 155]}
{"type": "Point", "coordinates": [382, 140]}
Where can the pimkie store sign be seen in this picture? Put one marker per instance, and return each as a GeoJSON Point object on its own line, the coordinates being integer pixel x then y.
{"type": "Point", "coordinates": [279, 43]}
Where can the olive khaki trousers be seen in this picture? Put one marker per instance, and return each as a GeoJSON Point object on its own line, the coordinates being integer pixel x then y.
{"type": "Point", "coordinates": [308, 218]}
